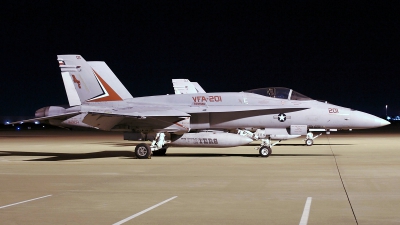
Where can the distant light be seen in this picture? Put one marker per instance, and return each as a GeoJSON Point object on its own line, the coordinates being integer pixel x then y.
{"type": "Point", "coordinates": [18, 128]}
{"type": "Point", "coordinates": [36, 122]}
{"type": "Point", "coordinates": [21, 123]}
{"type": "Point", "coordinates": [7, 122]}
{"type": "Point", "coordinates": [393, 118]}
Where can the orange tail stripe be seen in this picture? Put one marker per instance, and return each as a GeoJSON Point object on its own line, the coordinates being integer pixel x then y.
{"type": "Point", "coordinates": [112, 95]}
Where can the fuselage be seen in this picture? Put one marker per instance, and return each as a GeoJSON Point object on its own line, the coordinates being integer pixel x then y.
{"type": "Point", "coordinates": [242, 110]}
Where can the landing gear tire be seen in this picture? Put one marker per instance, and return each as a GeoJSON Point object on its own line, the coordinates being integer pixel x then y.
{"type": "Point", "coordinates": [143, 151]}
{"type": "Point", "coordinates": [160, 152]}
{"type": "Point", "coordinates": [309, 142]}
{"type": "Point", "coordinates": [265, 151]}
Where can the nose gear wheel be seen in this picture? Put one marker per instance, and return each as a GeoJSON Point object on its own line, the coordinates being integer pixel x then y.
{"type": "Point", "coordinates": [265, 151]}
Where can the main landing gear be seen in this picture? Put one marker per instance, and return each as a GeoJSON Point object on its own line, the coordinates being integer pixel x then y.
{"type": "Point", "coordinates": [310, 138]}
{"type": "Point", "coordinates": [157, 148]}
{"type": "Point", "coordinates": [143, 151]}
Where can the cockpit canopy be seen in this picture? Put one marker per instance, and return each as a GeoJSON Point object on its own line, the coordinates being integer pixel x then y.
{"type": "Point", "coordinates": [280, 92]}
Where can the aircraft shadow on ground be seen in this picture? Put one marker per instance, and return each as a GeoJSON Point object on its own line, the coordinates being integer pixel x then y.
{"type": "Point", "coordinates": [255, 155]}
{"type": "Point", "coordinates": [69, 156]}
{"type": "Point", "coordinates": [298, 145]}
{"type": "Point", "coordinates": [119, 144]}
{"type": "Point", "coordinates": [129, 155]}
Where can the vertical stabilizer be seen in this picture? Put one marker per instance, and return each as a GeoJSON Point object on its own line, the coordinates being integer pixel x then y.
{"type": "Point", "coordinates": [90, 86]}
{"type": "Point", "coordinates": [73, 97]}
{"type": "Point", "coordinates": [109, 77]}
{"type": "Point", "coordinates": [184, 86]}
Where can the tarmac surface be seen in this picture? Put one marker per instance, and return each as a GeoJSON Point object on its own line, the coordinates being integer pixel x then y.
{"type": "Point", "coordinates": [66, 177]}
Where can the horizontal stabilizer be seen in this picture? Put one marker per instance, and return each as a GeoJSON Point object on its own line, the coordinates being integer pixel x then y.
{"type": "Point", "coordinates": [61, 116]}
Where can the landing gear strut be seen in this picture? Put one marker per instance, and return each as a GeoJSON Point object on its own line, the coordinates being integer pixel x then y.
{"type": "Point", "coordinates": [310, 138]}
{"type": "Point", "coordinates": [157, 147]}
{"type": "Point", "coordinates": [265, 149]}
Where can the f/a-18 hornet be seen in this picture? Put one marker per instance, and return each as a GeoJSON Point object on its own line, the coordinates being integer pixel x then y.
{"type": "Point", "coordinates": [194, 119]}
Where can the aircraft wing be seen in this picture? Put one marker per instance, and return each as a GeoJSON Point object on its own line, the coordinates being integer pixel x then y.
{"type": "Point", "coordinates": [169, 120]}
{"type": "Point", "coordinates": [60, 117]}
{"type": "Point", "coordinates": [155, 112]}
{"type": "Point", "coordinates": [156, 119]}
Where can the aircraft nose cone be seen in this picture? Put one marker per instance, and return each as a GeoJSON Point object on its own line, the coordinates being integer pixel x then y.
{"type": "Point", "coordinates": [363, 120]}
{"type": "Point", "coordinates": [382, 122]}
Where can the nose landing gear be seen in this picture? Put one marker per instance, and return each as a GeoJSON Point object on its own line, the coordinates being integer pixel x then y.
{"type": "Point", "coordinates": [310, 138]}
{"type": "Point", "coordinates": [265, 149]}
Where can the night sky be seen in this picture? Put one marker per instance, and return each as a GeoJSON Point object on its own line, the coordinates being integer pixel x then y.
{"type": "Point", "coordinates": [346, 53]}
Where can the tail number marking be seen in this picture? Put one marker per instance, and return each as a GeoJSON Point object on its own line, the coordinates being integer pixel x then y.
{"type": "Point", "coordinates": [333, 110]}
{"type": "Point", "coordinates": [216, 98]}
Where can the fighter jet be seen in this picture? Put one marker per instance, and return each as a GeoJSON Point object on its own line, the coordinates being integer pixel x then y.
{"type": "Point", "coordinates": [194, 120]}
{"type": "Point", "coordinates": [185, 86]}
